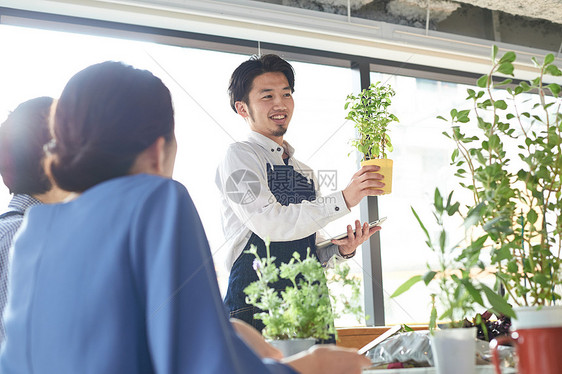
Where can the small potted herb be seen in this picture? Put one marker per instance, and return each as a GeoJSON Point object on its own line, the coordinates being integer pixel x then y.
{"type": "Point", "coordinates": [370, 113]}
{"type": "Point", "coordinates": [295, 318]}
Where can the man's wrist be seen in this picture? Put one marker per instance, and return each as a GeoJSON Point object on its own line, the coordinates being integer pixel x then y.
{"type": "Point", "coordinates": [348, 255]}
{"type": "Point", "coordinates": [345, 200]}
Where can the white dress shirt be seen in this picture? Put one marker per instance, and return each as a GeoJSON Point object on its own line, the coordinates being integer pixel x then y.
{"type": "Point", "coordinates": [248, 205]}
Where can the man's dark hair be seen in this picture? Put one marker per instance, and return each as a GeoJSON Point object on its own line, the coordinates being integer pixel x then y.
{"type": "Point", "coordinates": [242, 78]}
{"type": "Point", "coordinates": [106, 116]}
{"type": "Point", "coordinates": [22, 138]}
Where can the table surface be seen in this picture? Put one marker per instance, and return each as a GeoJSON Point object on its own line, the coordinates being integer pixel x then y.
{"type": "Point", "coordinates": [480, 369]}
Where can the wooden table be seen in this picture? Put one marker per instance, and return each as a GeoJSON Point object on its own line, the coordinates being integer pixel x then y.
{"type": "Point", "coordinates": [480, 369]}
{"type": "Point", "coordinates": [357, 337]}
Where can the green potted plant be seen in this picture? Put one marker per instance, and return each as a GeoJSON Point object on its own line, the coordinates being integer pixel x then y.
{"type": "Point", "coordinates": [509, 157]}
{"type": "Point", "coordinates": [295, 318]}
{"type": "Point", "coordinates": [512, 166]}
{"type": "Point", "coordinates": [456, 291]}
{"type": "Point", "coordinates": [454, 280]}
{"type": "Point", "coordinates": [369, 110]}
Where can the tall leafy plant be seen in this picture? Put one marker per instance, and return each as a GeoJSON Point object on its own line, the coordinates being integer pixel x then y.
{"type": "Point", "coordinates": [453, 278]}
{"type": "Point", "coordinates": [369, 110]}
{"type": "Point", "coordinates": [509, 156]}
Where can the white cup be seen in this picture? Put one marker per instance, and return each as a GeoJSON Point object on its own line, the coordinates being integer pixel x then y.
{"type": "Point", "coordinates": [454, 350]}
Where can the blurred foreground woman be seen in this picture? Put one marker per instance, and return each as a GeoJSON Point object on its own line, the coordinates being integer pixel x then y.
{"type": "Point", "coordinates": [120, 279]}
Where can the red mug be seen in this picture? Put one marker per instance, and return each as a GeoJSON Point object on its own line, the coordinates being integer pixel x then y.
{"type": "Point", "coordinates": [538, 341]}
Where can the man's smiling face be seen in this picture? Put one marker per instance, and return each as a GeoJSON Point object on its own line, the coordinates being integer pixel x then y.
{"type": "Point", "coordinates": [270, 106]}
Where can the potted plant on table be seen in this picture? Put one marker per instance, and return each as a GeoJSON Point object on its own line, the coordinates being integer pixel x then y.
{"type": "Point", "coordinates": [456, 291]}
{"type": "Point", "coordinates": [509, 156]}
{"type": "Point", "coordinates": [295, 318]}
{"type": "Point", "coordinates": [455, 279]}
{"type": "Point", "coordinates": [512, 166]}
{"type": "Point", "coordinates": [369, 110]}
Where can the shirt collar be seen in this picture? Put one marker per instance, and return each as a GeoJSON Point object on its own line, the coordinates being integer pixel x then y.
{"type": "Point", "coordinates": [268, 144]}
{"type": "Point", "coordinates": [22, 202]}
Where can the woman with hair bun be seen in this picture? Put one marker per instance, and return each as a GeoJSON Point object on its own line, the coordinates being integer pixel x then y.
{"type": "Point", "coordinates": [121, 279]}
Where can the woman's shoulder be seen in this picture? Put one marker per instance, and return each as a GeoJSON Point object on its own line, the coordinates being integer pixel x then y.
{"type": "Point", "coordinates": [119, 194]}
{"type": "Point", "coordinates": [135, 186]}
{"type": "Point", "coordinates": [115, 204]}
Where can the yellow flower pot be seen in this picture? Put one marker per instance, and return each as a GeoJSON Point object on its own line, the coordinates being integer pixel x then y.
{"type": "Point", "coordinates": [385, 169]}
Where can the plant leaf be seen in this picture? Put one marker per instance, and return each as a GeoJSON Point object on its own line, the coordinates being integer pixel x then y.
{"type": "Point", "coordinates": [504, 82]}
{"type": "Point", "coordinates": [482, 81]}
{"type": "Point", "coordinates": [433, 318]}
{"type": "Point", "coordinates": [500, 104]}
{"type": "Point", "coordinates": [407, 285]}
{"type": "Point", "coordinates": [506, 68]}
{"type": "Point", "coordinates": [508, 57]}
{"type": "Point", "coordinates": [428, 277]}
{"type": "Point", "coordinates": [473, 291]}
{"type": "Point", "coordinates": [553, 70]}
{"type": "Point", "coordinates": [422, 226]}
{"type": "Point", "coordinates": [532, 216]}
{"type": "Point", "coordinates": [499, 305]}
{"type": "Point", "coordinates": [554, 88]}
{"type": "Point", "coordinates": [438, 200]}
{"type": "Point", "coordinates": [406, 328]}
{"type": "Point", "coordinates": [454, 155]}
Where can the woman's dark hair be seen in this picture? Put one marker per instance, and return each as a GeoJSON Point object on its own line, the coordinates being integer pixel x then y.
{"type": "Point", "coordinates": [22, 138]}
{"type": "Point", "coordinates": [106, 116]}
{"type": "Point", "coordinates": [242, 78]}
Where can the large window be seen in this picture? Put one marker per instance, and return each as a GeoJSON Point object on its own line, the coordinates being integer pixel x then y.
{"type": "Point", "coordinates": [39, 63]}
{"type": "Point", "coordinates": [421, 163]}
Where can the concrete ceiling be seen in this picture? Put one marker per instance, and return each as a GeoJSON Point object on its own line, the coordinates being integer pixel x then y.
{"type": "Point", "coordinates": [535, 24]}
{"type": "Point", "coordinates": [550, 10]}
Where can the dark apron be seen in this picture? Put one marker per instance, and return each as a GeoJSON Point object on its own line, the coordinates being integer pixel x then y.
{"type": "Point", "coordinates": [289, 187]}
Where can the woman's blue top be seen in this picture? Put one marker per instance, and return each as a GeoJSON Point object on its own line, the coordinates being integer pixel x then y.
{"type": "Point", "coordinates": [120, 280]}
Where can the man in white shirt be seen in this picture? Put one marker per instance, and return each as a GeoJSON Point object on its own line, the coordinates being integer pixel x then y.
{"type": "Point", "coordinates": [268, 194]}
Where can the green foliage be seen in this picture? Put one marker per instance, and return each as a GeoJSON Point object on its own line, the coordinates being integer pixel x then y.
{"type": "Point", "coordinates": [370, 112]}
{"type": "Point", "coordinates": [456, 272]}
{"type": "Point", "coordinates": [303, 310]}
{"type": "Point", "coordinates": [517, 194]}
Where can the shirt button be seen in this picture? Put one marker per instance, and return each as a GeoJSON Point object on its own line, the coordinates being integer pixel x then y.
{"type": "Point", "coordinates": [272, 150]}
{"type": "Point", "coordinates": [337, 208]}
{"type": "Point", "coordinates": [278, 149]}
